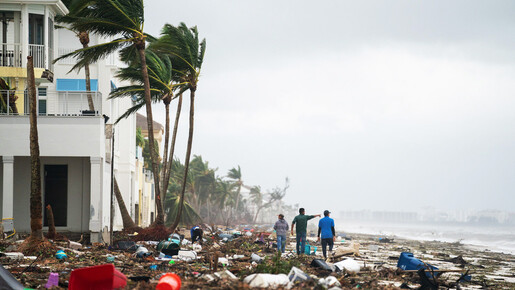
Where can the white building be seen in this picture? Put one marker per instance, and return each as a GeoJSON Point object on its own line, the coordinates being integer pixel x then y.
{"type": "Point", "coordinates": [75, 149]}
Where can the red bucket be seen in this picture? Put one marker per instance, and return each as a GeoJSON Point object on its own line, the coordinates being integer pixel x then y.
{"type": "Point", "coordinates": [169, 281]}
{"type": "Point", "coordinates": [101, 277]}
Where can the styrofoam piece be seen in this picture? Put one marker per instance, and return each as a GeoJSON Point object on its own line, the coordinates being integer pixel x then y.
{"type": "Point", "coordinates": [350, 265]}
{"type": "Point", "coordinates": [266, 280]}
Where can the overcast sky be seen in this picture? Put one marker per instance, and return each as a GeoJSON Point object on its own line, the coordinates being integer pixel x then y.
{"type": "Point", "coordinates": [382, 105]}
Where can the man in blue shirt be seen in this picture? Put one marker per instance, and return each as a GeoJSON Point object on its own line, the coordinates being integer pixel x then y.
{"type": "Point", "coordinates": [326, 228]}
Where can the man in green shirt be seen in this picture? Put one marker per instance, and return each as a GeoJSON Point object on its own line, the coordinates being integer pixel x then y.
{"type": "Point", "coordinates": [302, 223]}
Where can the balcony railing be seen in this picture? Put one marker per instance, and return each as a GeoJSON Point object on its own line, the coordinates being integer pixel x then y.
{"type": "Point", "coordinates": [10, 55]}
{"type": "Point", "coordinates": [65, 103]}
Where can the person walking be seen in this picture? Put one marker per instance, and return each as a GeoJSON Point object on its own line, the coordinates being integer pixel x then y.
{"type": "Point", "coordinates": [302, 223]}
{"type": "Point", "coordinates": [196, 234]}
{"type": "Point", "coordinates": [326, 228]}
{"type": "Point", "coordinates": [281, 229]}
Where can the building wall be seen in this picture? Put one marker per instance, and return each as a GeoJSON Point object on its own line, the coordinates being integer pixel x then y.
{"type": "Point", "coordinates": [78, 192]}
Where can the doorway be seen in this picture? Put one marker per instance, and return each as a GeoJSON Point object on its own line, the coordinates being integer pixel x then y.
{"type": "Point", "coordinates": [56, 193]}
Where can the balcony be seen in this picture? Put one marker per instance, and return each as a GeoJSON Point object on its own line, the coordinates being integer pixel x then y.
{"type": "Point", "coordinates": [11, 55]}
{"type": "Point", "coordinates": [62, 103]}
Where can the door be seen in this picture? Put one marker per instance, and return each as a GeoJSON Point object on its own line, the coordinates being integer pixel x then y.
{"type": "Point", "coordinates": [56, 193]}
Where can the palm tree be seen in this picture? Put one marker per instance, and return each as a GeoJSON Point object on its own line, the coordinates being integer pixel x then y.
{"type": "Point", "coordinates": [74, 9]}
{"type": "Point", "coordinates": [235, 174]}
{"type": "Point", "coordinates": [124, 20]}
{"type": "Point", "coordinates": [187, 54]}
{"type": "Point", "coordinates": [36, 212]}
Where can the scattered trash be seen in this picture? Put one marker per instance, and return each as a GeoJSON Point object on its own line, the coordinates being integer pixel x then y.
{"type": "Point", "coordinates": [266, 280]}
{"type": "Point", "coordinates": [374, 248]}
{"type": "Point", "coordinates": [169, 281]}
{"type": "Point", "coordinates": [385, 240]}
{"type": "Point", "coordinates": [142, 252]}
{"type": "Point", "coordinates": [110, 258]}
{"type": "Point", "coordinates": [187, 255]}
{"type": "Point", "coordinates": [223, 261]}
{"type": "Point", "coordinates": [256, 258]}
{"type": "Point", "coordinates": [14, 256]}
{"type": "Point", "coordinates": [97, 277]}
{"type": "Point", "coordinates": [352, 249]}
{"type": "Point", "coordinates": [329, 281]}
{"type": "Point", "coordinates": [308, 249]}
{"type": "Point", "coordinates": [226, 274]}
{"type": "Point", "coordinates": [349, 265]}
{"type": "Point", "coordinates": [297, 274]}
{"type": "Point", "coordinates": [408, 262]}
{"type": "Point", "coordinates": [153, 267]}
{"type": "Point", "coordinates": [126, 245]}
{"type": "Point", "coordinates": [61, 255]}
{"type": "Point", "coordinates": [74, 245]}
{"type": "Point", "coordinates": [319, 263]}
{"type": "Point", "coordinates": [169, 248]}
{"type": "Point", "coordinates": [53, 280]}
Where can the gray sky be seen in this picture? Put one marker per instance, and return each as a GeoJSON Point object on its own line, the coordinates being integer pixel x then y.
{"type": "Point", "coordinates": [391, 105]}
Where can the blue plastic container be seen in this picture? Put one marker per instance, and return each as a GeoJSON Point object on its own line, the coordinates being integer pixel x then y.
{"type": "Point", "coordinates": [408, 262]}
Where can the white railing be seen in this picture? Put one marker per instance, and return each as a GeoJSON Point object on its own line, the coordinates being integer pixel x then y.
{"type": "Point", "coordinates": [66, 103]}
{"type": "Point", "coordinates": [37, 51]}
{"type": "Point", "coordinates": [10, 54]}
{"type": "Point", "coordinates": [68, 60]}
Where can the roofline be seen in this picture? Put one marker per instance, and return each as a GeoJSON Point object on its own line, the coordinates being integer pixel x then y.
{"type": "Point", "coordinates": [61, 8]}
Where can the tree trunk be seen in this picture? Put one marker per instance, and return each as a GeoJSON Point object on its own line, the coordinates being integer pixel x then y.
{"type": "Point", "coordinates": [165, 152]}
{"type": "Point", "coordinates": [128, 223]}
{"type": "Point", "coordinates": [257, 213]}
{"type": "Point", "coordinates": [84, 40]}
{"type": "Point", "coordinates": [237, 199]}
{"type": "Point", "coordinates": [36, 212]}
{"type": "Point", "coordinates": [188, 155]}
{"type": "Point", "coordinates": [168, 171]}
{"type": "Point", "coordinates": [51, 224]}
{"type": "Point", "coordinates": [150, 123]}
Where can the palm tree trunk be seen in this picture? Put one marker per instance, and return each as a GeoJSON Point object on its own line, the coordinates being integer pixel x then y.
{"type": "Point", "coordinates": [165, 152]}
{"type": "Point", "coordinates": [84, 40]}
{"type": "Point", "coordinates": [36, 212]}
{"type": "Point", "coordinates": [188, 155]}
{"type": "Point", "coordinates": [128, 223]}
{"type": "Point", "coordinates": [237, 199]}
{"type": "Point", "coordinates": [148, 104]}
{"type": "Point", "coordinates": [168, 171]}
{"type": "Point", "coordinates": [51, 223]}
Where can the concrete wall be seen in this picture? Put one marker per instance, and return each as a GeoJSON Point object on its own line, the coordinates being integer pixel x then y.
{"type": "Point", "coordinates": [58, 136]}
{"type": "Point", "coordinates": [78, 192]}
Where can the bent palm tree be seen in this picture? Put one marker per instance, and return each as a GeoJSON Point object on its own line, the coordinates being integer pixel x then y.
{"type": "Point", "coordinates": [235, 174]}
{"type": "Point", "coordinates": [124, 20]}
{"type": "Point", "coordinates": [187, 53]}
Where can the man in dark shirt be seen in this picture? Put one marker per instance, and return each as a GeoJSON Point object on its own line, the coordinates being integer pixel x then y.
{"type": "Point", "coordinates": [301, 229]}
{"type": "Point", "coordinates": [326, 228]}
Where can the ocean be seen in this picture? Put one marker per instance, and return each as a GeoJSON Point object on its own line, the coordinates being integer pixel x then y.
{"type": "Point", "coordinates": [494, 238]}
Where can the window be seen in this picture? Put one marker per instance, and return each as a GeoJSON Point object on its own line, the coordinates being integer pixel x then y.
{"type": "Point", "coordinates": [75, 85]}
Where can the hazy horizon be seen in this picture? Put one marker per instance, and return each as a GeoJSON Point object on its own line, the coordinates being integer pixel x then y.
{"type": "Point", "coordinates": [375, 105]}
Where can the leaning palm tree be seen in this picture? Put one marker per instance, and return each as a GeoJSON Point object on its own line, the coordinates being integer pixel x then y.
{"type": "Point", "coordinates": [123, 21]}
{"type": "Point", "coordinates": [187, 54]}
{"type": "Point", "coordinates": [235, 174]}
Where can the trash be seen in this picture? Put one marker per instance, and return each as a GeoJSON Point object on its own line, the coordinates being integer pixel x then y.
{"type": "Point", "coordinates": [169, 281]}
{"type": "Point", "coordinates": [266, 280]}
{"type": "Point", "coordinates": [97, 277]}
{"type": "Point", "coordinates": [61, 255]}
{"type": "Point", "coordinates": [308, 249]}
{"type": "Point", "coordinates": [187, 255]}
{"type": "Point", "coordinates": [352, 249]}
{"type": "Point", "coordinates": [126, 245]}
{"type": "Point", "coordinates": [110, 258]}
{"type": "Point", "coordinates": [208, 277]}
{"type": "Point", "coordinates": [350, 265]}
{"type": "Point", "coordinates": [256, 258]}
{"type": "Point", "coordinates": [408, 262]}
{"type": "Point", "coordinates": [236, 257]}
{"type": "Point", "coordinates": [74, 245]}
{"type": "Point", "coordinates": [14, 255]}
{"type": "Point", "coordinates": [226, 237]}
{"type": "Point", "coordinates": [142, 252]}
{"type": "Point", "coordinates": [176, 238]}
{"type": "Point", "coordinates": [185, 242]}
{"type": "Point", "coordinates": [374, 248]}
{"type": "Point", "coordinates": [171, 262]}
{"type": "Point", "coordinates": [223, 261]}
{"type": "Point", "coordinates": [297, 274]}
{"type": "Point", "coordinates": [53, 280]}
{"type": "Point", "coordinates": [197, 247]}
{"type": "Point", "coordinates": [319, 263]}
{"type": "Point", "coordinates": [139, 278]}
{"type": "Point", "coordinates": [385, 240]}
{"type": "Point", "coordinates": [153, 267]}
{"type": "Point", "coordinates": [248, 234]}
{"type": "Point", "coordinates": [329, 281]}
{"type": "Point", "coordinates": [169, 248]}
{"type": "Point", "coordinates": [226, 274]}
{"type": "Point", "coordinates": [7, 281]}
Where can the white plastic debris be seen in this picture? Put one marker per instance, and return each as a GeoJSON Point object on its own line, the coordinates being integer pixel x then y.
{"type": "Point", "coordinates": [256, 258]}
{"type": "Point", "coordinates": [297, 274]}
{"type": "Point", "coordinates": [329, 281]}
{"type": "Point", "coordinates": [223, 261]}
{"type": "Point", "coordinates": [374, 248]}
{"type": "Point", "coordinates": [226, 274]}
{"type": "Point", "coordinates": [197, 247]}
{"type": "Point", "coordinates": [187, 255]}
{"type": "Point", "coordinates": [75, 245]}
{"type": "Point", "coordinates": [185, 242]}
{"type": "Point", "coordinates": [248, 234]}
{"type": "Point", "coordinates": [236, 257]}
{"type": "Point", "coordinates": [208, 277]}
{"type": "Point", "coordinates": [14, 255]}
{"type": "Point", "coordinates": [350, 265]}
{"type": "Point", "coordinates": [266, 280]}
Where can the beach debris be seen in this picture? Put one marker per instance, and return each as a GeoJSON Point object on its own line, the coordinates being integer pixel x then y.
{"type": "Point", "coordinates": [319, 263]}
{"type": "Point", "coordinates": [14, 255]}
{"type": "Point", "coordinates": [262, 280]}
{"type": "Point", "coordinates": [374, 248]}
{"type": "Point", "coordinates": [385, 240]}
{"type": "Point", "coordinates": [352, 249]}
{"type": "Point", "coordinates": [7, 281]}
{"type": "Point", "coordinates": [349, 265]}
{"type": "Point", "coordinates": [297, 274]}
{"type": "Point", "coordinates": [255, 258]}
{"type": "Point", "coordinates": [187, 255]}
{"type": "Point", "coordinates": [142, 252]}
{"type": "Point", "coordinates": [169, 248]}
{"type": "Point", "coordinates": [169, 281]}
{"type": "Point", "coordinates": [97, 277]}
{"type": "Point", "coordinates": [126, 246]}
{"type": "Point", "coordinates": [329, 281]}
{"type": "Point", "coordinates": [226, 274]}
{"type": "Point", "coordinates": [61, 255]}
{"type": "Point", "coordinates": [74, 245]}
{"type": "Point", "coordinates": [408, 262]}
{"type": "Point", "coordinates": [53, 280]}
{"type": "Point", "coordinates": [457, 260]}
